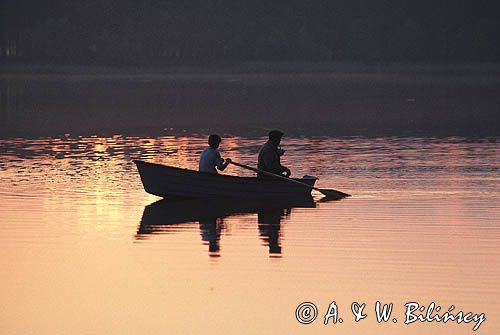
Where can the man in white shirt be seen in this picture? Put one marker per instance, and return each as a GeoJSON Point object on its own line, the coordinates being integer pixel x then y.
{"type": "Point", "coordinates": [210, 158]}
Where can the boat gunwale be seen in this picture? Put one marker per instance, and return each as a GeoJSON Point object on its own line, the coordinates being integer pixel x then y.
{"type": "Point", "coordinates": [216, 175]}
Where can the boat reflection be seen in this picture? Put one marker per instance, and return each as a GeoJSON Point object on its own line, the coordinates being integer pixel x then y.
{"type": "Point", "coordinates": [165, 216]}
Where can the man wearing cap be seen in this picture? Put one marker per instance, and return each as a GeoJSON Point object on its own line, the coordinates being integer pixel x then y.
{"type": "Point", "coordinates": [269, 156]}
{"type": "Point", "coordinates": [210, 158]}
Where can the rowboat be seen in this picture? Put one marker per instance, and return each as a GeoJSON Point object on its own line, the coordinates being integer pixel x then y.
{"type": "Point", "coordinates": [173, 182]}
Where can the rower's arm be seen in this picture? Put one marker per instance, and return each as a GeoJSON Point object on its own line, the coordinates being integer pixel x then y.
{"type": "Point", "coordinates": [221, 164]}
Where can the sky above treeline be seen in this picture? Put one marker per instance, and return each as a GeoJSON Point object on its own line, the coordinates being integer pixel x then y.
{"type": "Point", "coordinates": [124, 32]}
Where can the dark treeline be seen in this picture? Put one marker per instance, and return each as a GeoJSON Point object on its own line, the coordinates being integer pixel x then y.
{"type": "Point", "coordinates": [164, 32]}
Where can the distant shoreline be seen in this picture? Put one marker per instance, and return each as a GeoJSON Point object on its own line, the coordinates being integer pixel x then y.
{"type": "Point", "coordinates": [251, 68]}
{"type": "Point", "coordinates": [267, 73]}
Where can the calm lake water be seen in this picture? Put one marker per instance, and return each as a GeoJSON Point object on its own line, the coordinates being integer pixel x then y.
{"type": "Point", "coordinates": [83, 251]}
{"type": "Point", "coordinates": [331, 104]}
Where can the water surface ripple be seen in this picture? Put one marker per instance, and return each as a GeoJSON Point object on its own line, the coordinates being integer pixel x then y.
{"type": "Point", "coordinates": [82, 242]}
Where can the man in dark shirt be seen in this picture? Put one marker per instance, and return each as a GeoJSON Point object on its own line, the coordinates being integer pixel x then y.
{"type": "Point", "coordinates": [269, 156]}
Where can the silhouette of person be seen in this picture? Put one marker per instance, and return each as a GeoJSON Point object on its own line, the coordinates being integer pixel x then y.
{"type": "Point", "coordinates": [269, 156]}
{"type": "Point", "coordinates": [210, 158]}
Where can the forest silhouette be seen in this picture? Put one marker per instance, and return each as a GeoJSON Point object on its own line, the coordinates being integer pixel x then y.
{"type": "Point", "coordinates": [160, 32]}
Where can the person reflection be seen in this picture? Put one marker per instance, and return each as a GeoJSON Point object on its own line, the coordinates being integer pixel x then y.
{"type": "Point", "coordinates": [164, 217]}
{"type": "Point", "coordinates": [210, 231]}
{"type": "Point", "coordinates": [269, 223]}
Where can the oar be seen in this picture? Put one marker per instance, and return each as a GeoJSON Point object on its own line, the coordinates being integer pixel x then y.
{"type": "Point", "coordinates": [326, 192]}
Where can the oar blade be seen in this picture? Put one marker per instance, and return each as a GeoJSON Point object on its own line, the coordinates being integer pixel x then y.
{"type": "Point", "coordinates": [331, 194]}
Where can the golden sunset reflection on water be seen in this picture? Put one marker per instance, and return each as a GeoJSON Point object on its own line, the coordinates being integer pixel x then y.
{"type": "Point", "coordinates": [85, 250]}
